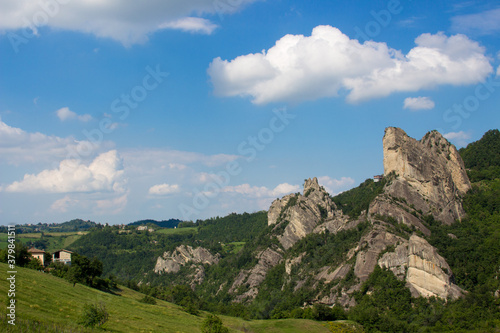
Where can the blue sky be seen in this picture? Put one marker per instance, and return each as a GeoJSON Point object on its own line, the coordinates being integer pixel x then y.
{"type": "Point", "coordinates": [115, 112]}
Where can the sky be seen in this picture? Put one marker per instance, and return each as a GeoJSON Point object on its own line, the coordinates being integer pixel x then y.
{"type": "Point", "coordinates": [117, 111]}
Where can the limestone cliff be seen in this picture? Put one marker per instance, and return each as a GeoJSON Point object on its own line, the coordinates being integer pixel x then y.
{"type": "Point", "coordinates": [430, 174]}
{"type": "Point", "coordinates": [301, 214]}
{"type": "Point", "coordinates": [251, 279]}
{"type": "Point", "coordinates": [421, 178]}
{"type": "Point", "coordinates": [171, 262]}
{"type": "Point", "coordinates": [425, 271]}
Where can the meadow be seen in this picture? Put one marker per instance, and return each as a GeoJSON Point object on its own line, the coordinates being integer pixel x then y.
{"type": "Point", "coordinates": [54, 305]}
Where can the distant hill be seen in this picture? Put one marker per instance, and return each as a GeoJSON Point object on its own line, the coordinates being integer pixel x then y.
{"type": "Point", "coordinates": [69, 226]}
{"type": "Point", "coordinates": [172, 223]}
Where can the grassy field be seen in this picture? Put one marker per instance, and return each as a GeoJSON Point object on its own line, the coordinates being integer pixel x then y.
{"type": "Point", "coordinates": [54, 302]}
{"type": "Point", "coordinates": [57, 240]}
{"type": "Point", "coordinates": [169, 231]}
{"type": "Point", "coordinates": [233, 247]}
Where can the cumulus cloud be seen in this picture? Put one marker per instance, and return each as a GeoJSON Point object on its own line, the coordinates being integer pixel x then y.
{"type": "Point", "coordinates": [299, 68]}
{"type": "Point", "coordinates": [458, 138]}
{"type": "Point", "coordinates": [191, 24]}
{"type": "Point", "coordinates": [103, 174]}
{"type": "Point", "coordinates": [498, 71]}
{"type": "Point", "coordinates": [262, 191]}
{"type": "Point", "coordinates": [419, 103]}
{"type": "Point", "coordinates": [111, 19]}
{"type": "Point", "coordinates": [335, 186]}
{"type": "Point", "coordinates": [18, 146]}
{"type": "Point", "coordinates": [164, 189]}
{"type": "Point", "coordinates": [484, 23]}
{"type": "Point", "coordinates": [66, 114]}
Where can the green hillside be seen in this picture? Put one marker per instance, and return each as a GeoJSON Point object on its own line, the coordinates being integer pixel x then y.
{"type": "Point", "coordinates": [45, 301]}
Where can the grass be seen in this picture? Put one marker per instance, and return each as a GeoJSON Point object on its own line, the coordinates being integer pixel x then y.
{"type": "Point", "coordinates": [55, 305]}
{"type": "Point", "coordinates": [233, 247]}
{"type": "Point", "coordinates": [177, 231]}
{"type": "Point", "coordinates": [57, 240]}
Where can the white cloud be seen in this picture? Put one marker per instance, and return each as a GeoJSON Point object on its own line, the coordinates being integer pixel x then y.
{"type": "Point", "coordinates": [103, 174]}
{"type": "Point", "coordinates": [335, 186]}
{"type": "Point", "coordinates": [62, 205]}
{"type": "Point", "coordinates": [485, 23]}
{"type": "Point", "coordinates": [458, 138]}
{"type": "Point", "coordinates": [498, 71]}
{"type": "Point", "coordinates": [177, 166]}
{"type": "Point", "coordinates": [299, 68]}
{"type": "Point", "coordinates": [129, 24]}
{"type": "Point", "coordinates": [262, 191]}
{"type": "Point", "coordinates": [191, 24]}
{"type": "Point", "coordinates": [173, 158]}
{"type": "Point", "coordinates": [66, 114]}
{"type": "Point", "coordinates": [419, 103]}
{"type": "Point", "coordinates": [163, 189]}
{"type": "Point", "coordinates": [18, 146]}
{"type": "Point", "coordinates": [111, 206]}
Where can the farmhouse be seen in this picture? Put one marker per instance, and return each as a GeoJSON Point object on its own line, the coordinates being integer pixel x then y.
{"type": "Point", "coordinates": [39, 254]}
{"type": "Point", "coordinates": [63, 256]}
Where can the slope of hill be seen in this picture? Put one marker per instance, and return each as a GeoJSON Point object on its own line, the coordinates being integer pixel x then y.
{"type": "Point", "coordinates": [482, 158]}
{"type": "Point", "coordinates": [50, 304]}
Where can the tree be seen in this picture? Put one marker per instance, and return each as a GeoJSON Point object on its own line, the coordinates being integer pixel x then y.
{"type": "Point", "coordinates": [213, 324]}
{"type": "Point", "coordinates": [21, 255]}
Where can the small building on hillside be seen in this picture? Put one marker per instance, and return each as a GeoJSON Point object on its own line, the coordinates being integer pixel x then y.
{"type": "Point", "coordinates": [39, 254]}
{"type": "Point", "coordinates": [378, 178]}
{"type": "Point", "coordinates": [63, 256]}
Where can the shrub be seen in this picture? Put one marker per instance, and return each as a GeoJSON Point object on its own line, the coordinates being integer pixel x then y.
{"type": "Point", "coordinates": [148, 300]}
{"type": "Point", "coordinates": [94, 315]}
{"type": "Point", "coordinates": [213, 324]}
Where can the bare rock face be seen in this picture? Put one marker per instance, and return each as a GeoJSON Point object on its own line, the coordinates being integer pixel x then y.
{"type": "Point", "coordinates": [171, 262]}
{"type": "Point", "coordinates": [425, 271]}
{"type": "Point", "coordinates": [276, 207]}
{"type": "Point", "coordinates": [369, 249]}
{"type": "Point", "coordinates": [430, 173]}
{"type": "Point", "coordinates": [301, 213]}
{"type": "Point", "coordinates": [421, 178]}
{"type": "Point", "coordinates": [252, 278]}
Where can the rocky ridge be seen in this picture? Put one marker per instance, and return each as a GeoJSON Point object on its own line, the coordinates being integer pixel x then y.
{"type": "Point", "coordinates": [171, 262]}
{"type": "Point", "coordinates": [425, 177]}
{"type": "Point", "coordinates": [421, 179]}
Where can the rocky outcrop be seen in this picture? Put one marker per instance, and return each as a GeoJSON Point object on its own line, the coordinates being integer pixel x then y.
{"type": "Point", "coordinates": [425, 271]}
{"type": "Point", "coordinates": [249, 280]}
{"type": "Point", "coordinates": [425, 177]}
{"type": "Point", "coordinates": [171, 262]}
{"type": "Point", "coordinates": [301, 213]}
{"type": "Point", "coordinates": [430, 173]}
{"type": "Point", "coordinates": [369, 248]}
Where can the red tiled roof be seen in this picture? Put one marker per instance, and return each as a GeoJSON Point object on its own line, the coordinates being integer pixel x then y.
{"type": "Point", "coordinates": [33, 250]}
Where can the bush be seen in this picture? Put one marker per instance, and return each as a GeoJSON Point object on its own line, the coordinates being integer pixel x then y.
{"type": "Point", "coordinates": [148, 300]}
{"type": "Point", "coordinates": [94, 315]}
{"type": "Point", "coordinates": [213, 324]}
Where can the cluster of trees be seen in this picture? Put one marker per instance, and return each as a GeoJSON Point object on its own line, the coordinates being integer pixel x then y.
{"type": "Point", "coordinates": [84, 271]}
{"type": "Point", "coordinates": [172, 223]}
